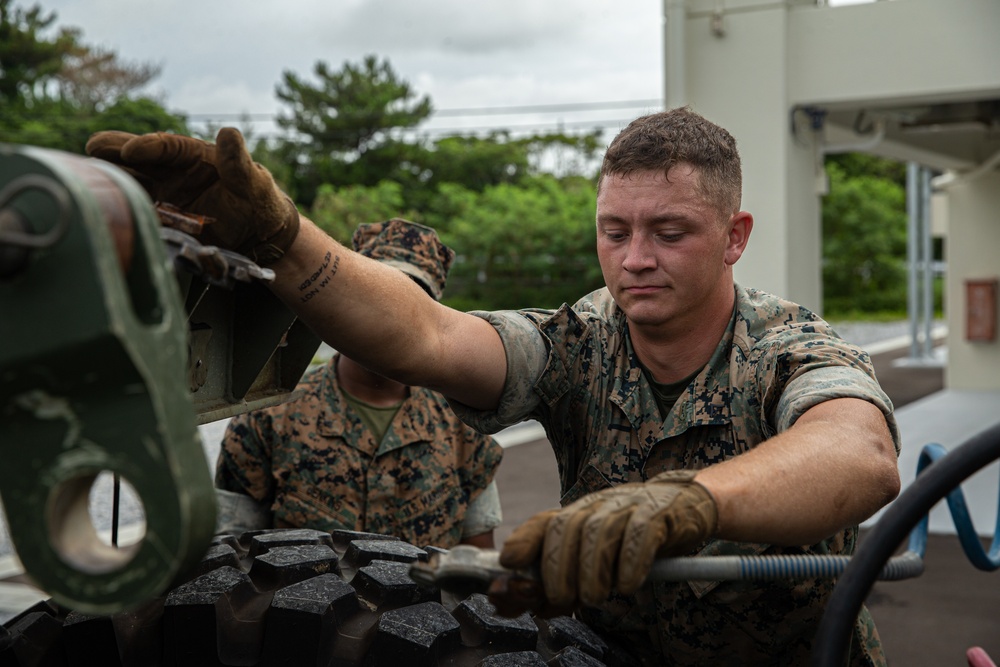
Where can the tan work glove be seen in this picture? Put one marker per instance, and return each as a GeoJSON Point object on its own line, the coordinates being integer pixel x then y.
{"type": "Point", "coordinates": [609, 539]}
{"type": "Point", "coordinates": [221, 181]}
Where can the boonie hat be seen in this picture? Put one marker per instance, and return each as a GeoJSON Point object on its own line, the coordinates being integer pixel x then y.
{"type": "Point", "coordinates": [412, 248]}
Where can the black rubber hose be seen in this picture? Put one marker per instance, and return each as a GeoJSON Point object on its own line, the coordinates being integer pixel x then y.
{"type": "Point", "coordinates": [833, 636]}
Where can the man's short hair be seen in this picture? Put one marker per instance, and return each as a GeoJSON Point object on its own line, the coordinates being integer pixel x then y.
{"type": "Point", "coordinates": [663, 140]}
{"type": "Point", "coordinates": [412, 248]}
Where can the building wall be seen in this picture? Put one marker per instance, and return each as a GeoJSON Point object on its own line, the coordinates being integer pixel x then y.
{"type": "Point", "coordinates": [894, 51]}
{"type": "Point", "coordinates": [739, 81]}
{"type": "Point", "coordinates": [772, 57]}
{"type": "Point", "coordinates": [973, 252]}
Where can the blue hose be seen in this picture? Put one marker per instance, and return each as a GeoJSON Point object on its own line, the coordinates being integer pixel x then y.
{"type": "Point", "coordinates": [967, 534]}
{"type": "Point", "coordinates": [907, 513]}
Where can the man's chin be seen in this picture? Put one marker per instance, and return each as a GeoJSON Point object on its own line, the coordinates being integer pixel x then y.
{"type": "Point", "coordinates": [646, 315]}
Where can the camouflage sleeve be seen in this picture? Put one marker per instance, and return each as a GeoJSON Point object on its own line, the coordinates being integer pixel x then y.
{"type": "Point", "coordinates": [484, 513]}
{"type": "Point", "coordinates": [238, 513]}
{"type": "Point", "coordinates": [527, 354]}
{"type": "Point", "coordinates": [812, 369]}
{"type": "Point", "coordinates": [482, 458]}
{"type": "Point", "coordinates": [244, 463]}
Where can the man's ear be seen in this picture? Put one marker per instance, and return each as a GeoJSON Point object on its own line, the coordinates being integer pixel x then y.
{"type": "Point", "coordinates": [740, 226]}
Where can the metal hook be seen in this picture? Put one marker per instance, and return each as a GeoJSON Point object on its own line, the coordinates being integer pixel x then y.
{"type": "Point", "coordinates": [57, 192]}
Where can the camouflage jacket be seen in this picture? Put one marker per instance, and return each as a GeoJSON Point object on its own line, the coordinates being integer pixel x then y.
{"type": "Point", "coordinates": [575, 371]}
{"type": "Point", "coordinates": [318, 465]}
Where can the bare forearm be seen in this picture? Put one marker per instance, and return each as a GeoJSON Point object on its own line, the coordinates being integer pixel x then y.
{"type": "Point", "coordinates": [326, 283]}
{"type": "Point", "coordinates": [377, 316]}
{"type": "Point", "coordinates": [833, 469]}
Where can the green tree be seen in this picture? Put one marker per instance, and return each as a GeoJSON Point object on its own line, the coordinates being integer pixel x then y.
{"type": "Point", "coordinates": [863, 164]}
{"type": "Point", "coordinates": [526, 245]}
{"type": "Point", "coordinates": [93, 78]}
{"type": "Point", "coordinates": [524, 237]}
{"type": "Point", "coordinates": [356, 126]}
{"type": "Point", "coordinates": [354, 108]}
{"type": "Point", "coordinates": [27, 58]}
{"type": "Point", "coordinates": [864, 244]}
{"type": "Point", "coordinates": [338, 211]}
{"type": "Point", "coordinates": [61, 125]}
{"type": "Point", "coordinates": [343, 128]}
{"type": "Point", "coordinates": [57, 92]}
{"type": "Point", "coordinates": [479, 162]}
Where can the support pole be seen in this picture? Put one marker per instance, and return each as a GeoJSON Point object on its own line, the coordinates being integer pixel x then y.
{"type": "Point", "coordinates": [675, 85]}
{"type": "Point", "coordinates": [913, 253]}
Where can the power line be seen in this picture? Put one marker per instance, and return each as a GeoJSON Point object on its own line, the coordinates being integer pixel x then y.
{"type": "Point", "coordinates": [514, 131]}
{"type": "Point", "coordinates": [473, 111]}
{"type": "Point", "coordinates": [524, 127]}
{"type": "Point", "coordinates": [546, 108]}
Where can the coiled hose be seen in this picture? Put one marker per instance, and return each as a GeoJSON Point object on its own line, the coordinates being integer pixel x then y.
{"type": "Point", "coordinates": [909, 510]}
{"type": "Point", "coordinates": [873, 559]}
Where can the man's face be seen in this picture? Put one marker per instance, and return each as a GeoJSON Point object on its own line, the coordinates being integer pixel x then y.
{"type": "Point", "coordinates": [665, 252]}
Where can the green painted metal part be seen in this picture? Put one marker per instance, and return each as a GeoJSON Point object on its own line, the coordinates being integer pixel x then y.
{"type": "Point", "coordinates": [94, 376]}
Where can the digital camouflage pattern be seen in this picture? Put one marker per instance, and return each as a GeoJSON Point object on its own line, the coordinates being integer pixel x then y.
{"type": "Point", "coordinates": [318, 466]}
{"type": "Point", "coordinates": [574, 370]}
{"type": "Point", "coordinates": [412, 248]}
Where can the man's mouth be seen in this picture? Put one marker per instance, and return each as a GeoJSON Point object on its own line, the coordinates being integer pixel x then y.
{"type": "Point", "coordinates": [642, 289]}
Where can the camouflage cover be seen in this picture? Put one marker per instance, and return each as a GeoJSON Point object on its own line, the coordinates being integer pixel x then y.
{"type": "Point", "coordinates": [412, 248]}
{"type": "Point", "coordinates": [575, 371]}
{"type": "Point", "coordinates": [318, 466]}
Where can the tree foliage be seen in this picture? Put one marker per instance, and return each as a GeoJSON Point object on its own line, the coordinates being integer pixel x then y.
{"type": "Point", "coordinates": [93, 78]}
{"type": "Point", "coordinates": [531, 244]}
{"type": "Point", "coordinates": [345, 129]}
{"type": "Point", "coordinates": [27, 57]}
{"type": "Point", "coordinates": [862, 164]}
{"type": "Point", "coordinates": [358, 125]}
{"type": "Point", "coordinates": [353, 110]}
{"type": "Point", "coordinates": [57, 91]}
{"type": "Point", "coordinates": [352, 152]}
{"type": "Point", "coordinates": [523, 237]}
{"type": "Point", "coordinates": [864, 240]}
{"type": "Point", "coordinates": [338, 211]}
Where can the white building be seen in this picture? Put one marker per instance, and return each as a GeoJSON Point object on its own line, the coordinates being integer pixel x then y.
{"type": "Point", "coordinates": [794, 78]}
{"type": "Point", "coordinates": [913, 80]}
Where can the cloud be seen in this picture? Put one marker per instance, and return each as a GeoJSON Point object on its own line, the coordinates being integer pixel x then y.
{"type": "Point", "coordinates": [227, 56]}
{"type": "Point", "coordinates": [461, 27]}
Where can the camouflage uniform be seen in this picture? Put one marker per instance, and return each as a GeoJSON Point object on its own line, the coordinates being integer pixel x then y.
{"type": "Point", "coordinates": [317, 465]}
{"type": "Point", "coordinates": [574, 370]}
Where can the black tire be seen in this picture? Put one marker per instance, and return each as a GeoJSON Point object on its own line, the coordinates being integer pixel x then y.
{"type": "Point", "coordinates": [302, 598]}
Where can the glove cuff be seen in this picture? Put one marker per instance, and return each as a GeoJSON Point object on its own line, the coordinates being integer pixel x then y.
{"type": "Point", "coordinates": [273, 248]}
{"type": "Point", "coordinates": [676, 476]}
{"type": "Point", "coordinates": [705, 506]}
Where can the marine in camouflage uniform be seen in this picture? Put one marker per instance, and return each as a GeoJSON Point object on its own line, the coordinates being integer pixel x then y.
{"type": "Point", "coordinates": [575, 371]}
{"type": "Point", "coordinates": [317, 461]}
{"type": "Point", "coordinates": [745, 366]}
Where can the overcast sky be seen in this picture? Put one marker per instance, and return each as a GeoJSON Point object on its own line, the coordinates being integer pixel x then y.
{"type": "Point", "coordinates": [225, 57]}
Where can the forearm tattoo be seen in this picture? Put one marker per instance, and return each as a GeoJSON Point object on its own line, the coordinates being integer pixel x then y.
{"type": "Point", "coordinates": [320, 278]}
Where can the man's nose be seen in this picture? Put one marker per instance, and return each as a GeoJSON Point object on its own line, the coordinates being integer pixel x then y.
{"type": "Point", "coordinates": [639, 255]}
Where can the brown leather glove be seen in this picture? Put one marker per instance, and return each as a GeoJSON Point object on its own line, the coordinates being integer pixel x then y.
{"type": "Point", "coordinates": [221, 181]}
{"type": "Point", "coordinates": [609, 539]}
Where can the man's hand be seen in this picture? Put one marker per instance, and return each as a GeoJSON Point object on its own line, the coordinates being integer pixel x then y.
{"type": "Point", "coordinates": [221, 181]}
{"type": "Point", "coordinates": [609, 539]}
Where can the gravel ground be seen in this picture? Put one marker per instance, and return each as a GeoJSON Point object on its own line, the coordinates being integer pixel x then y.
{"type": "Point", "coordinates": [130, 510]}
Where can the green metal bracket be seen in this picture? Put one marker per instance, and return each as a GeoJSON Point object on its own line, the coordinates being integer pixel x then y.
{"type": "Point", "coordinates": [94, 376]}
